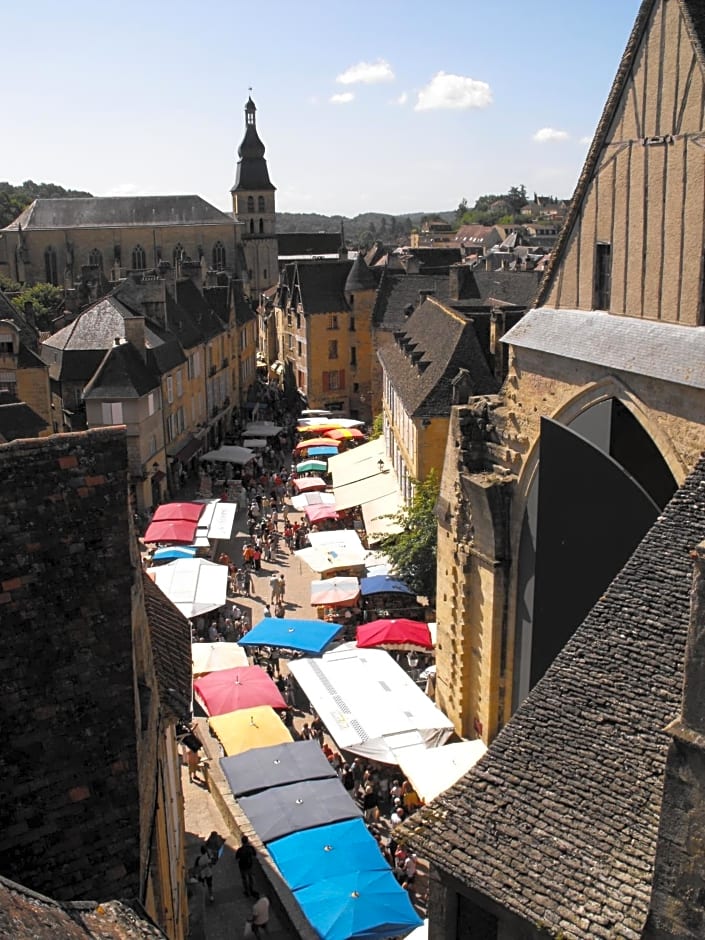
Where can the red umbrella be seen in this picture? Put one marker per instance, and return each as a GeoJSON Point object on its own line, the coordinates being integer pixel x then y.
{"type": "Point", "coordinates": [395, 634]}
{"type": "Point", "coordinates": [232, 689]}
{"type": "Point", "coordinates": [341, 434]}
{"type": "Point", "coordinates": [171, 530]}
{"type": "Point", "coordinates": [315, 442]}
{"type": "Point", "coordinates": [319, 511]}
{"type": "Point", "coordinates": [188, 512]}
{"type": "Point", "coordinates": [306, 484]}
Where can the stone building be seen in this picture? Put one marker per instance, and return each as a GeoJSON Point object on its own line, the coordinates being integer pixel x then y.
{"type": "Point", "coordinates": [96, 672]}
{"type": "Point", "coordinates": [548, 486]}
{"type": "Point", "coordinates": [25, 401]}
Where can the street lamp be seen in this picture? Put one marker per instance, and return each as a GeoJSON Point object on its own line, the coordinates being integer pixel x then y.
{"type": "Point", "coordinates": [380, 465]}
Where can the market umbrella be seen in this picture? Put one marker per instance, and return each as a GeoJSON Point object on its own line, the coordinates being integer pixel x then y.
{"type": "Point", "coordinates": [214, 657]}
{"type": "Point", "coordinates": [305, 858]}
{"type": "Point", "coordinates": [190, 512]}
{"type": "Point", "coordinates": [317, 428]}
{"type": "Point", "coordinates": [312, 499]}
{"type": "Point", "coordinates": [345, 434]}
{"type": "Point", "coordinates": [304, 484]}
{"type": "Point", "coordinates": [171, 530]}
{"type": "Point", "coordinates": [320, 512]}
{"type": "Point", "coordinates": [369, 904]}
{"type": "Point", "coordinates": [174, 551]}
{"type": "Point", "coordinates": [232, 689]}
{"type": "Point", "coordinates": [194, 585]}
{"type": "Point", "coordinates": [248, 728]}
{"type": "Point", "coordinates": [309, 466]}
{"type": "Point", "coordinates": [230, 453]}
{"type": "Point", "coordinates": [276, 766]}
{"type": "Point", "coordinates": [279, 811]}
{"type": "Point", "coordinates": [324, 450]}
{"type": "Point", "coordinates": [383, 584]}
{"type": "Point", "coordinates": [335, 592]}
{"type": "Point", "coordinates": [306, 636]}
{"type": "Point", "coordinates": [396, 634]}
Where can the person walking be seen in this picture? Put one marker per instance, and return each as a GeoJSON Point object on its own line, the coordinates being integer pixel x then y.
{"type": "Point", "coordinates": [245, 857]}
{"type": "Point", "coordinates": [274, 588]}
{"type": "Point", "coordinates": [204, 870]}
{"type": "Point", "coordinates": [282, 589]}
{"type": "Point", "coordinates": [259, 918]}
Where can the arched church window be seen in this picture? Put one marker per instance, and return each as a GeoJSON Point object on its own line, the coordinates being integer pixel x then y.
{"type": "Point", "coordinates": [261, 226]}
{"type": "Point", "coordinates": [260, 204]}
{"type": "Point", "coordinates": [250, 203]}
{"type": "Point", "coordinates": [252, 226]}
{"type": "Point", "coordinates": [50, 266]}
{"type": "Point", "coordinates": [139, 258]}
{"type": "Point", "coordinates": [219, 256]}
{"type": "Point", "coordinates": [95, 258]}
{"type": "Point", "coordinates": [178, 253]}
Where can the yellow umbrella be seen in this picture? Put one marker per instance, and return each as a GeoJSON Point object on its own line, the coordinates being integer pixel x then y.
{"type": "Point", "coordinates": [248, 728]}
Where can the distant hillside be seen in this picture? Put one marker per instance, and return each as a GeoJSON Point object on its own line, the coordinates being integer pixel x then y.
{"type": "Point", "coordinates": [362, 229]}
{"type": "Point", "coordinates": [13, 199]}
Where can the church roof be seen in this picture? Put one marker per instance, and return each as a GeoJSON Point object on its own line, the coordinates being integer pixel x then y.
{"type": "Point", "coordinates": [558, 822]}
{"type": "Point", "coordinates": [117, 212]}
{"type": "Point", "coordinates": [252, 172]}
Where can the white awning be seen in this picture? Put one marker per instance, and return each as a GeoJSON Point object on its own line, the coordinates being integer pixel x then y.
{"type": "Point", "coordinates": [194, 585]}
{"type": "Point", "coordinates": [357, 462]}
{"type": "Point", "coordinates": [261, 429]}
{"type": "Point", "coordinates": [376, 515]}
{"type": "Point", "coordinates": [369, 704]}
{"type": "Point", "coordinates": [366, 490]}
{"type": "Point", "coordinates": [302, 500]}
{"type": "Point", "coordinates": [433, 771]}
{"type": "Point", "coordinates": [214, 657]}
{"type": "Point", "coordinates": [230, 453]}
{"type": "Point", "coordinates": [222, 521]}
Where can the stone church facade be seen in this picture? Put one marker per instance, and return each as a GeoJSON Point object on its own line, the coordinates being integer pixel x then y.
{"type": "Point", "coordinates": [548, 486]}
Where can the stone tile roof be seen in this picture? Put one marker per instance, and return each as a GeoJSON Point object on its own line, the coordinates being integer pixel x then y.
{"type": "Point", "coordinates": [558, 822]}
{"type": "Point", "coordinates": [122, 374]}
{"type": "Point", "coordinates": [201, 313]}
{"type": "Point", "coordinates": [421, 365]}
{"type": "Point", "coordinates": [515, 288]}
{"type": "Point", "coordinates": [359, 277]}
{"type": "Point", "coordinates": [171, 644]}
{"type": "Point", "coordinates": [69, 801]}
{"type": "Point", "coordinates": [17, 419]}
{"type": "Point", "coordinates": [307, 244]}
{"type": "Point", "coordinates": [318, 284]}
{"type": "Point", "coordinates": [399, 295]}
{"type": "Point", "coordinates": [438, 259]}
{"type": "Point", "coordinates": [118, 212]}
{"type": "Point", "coordinates": [26, 915]}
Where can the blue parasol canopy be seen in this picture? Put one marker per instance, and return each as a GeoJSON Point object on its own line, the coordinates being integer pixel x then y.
{"type": "Point", "coordinates": [307, 636]}
{"type": "Point", "coordinates": [276, 765]}
{"type": "Point", "coordinates": [175, 551]}
{"type": "Point", "coordinates": [369, 904]}
{"type": "Point", "coordinates": [305, 858]}
{"type": "Point", "coordinates": [321, 451]}
{"type": "Point", "coordinates": [383, 584]}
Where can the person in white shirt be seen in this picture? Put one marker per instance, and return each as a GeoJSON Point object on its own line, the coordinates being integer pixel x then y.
{"type": "Point", "coordinates": [260, 913]}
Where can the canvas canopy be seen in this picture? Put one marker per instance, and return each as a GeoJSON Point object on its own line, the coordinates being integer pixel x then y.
{"type": "Point", "coordinates": [242, 687]}
{"type": "Point", "coordinates": [312, 499]}
{"type": "Point", "coordinates": [279, 811]}
{"type": "Point", "coordinates": [170, 552]}
{"type": "Point", "coordinates": [304, 484]}
{"type": "Point", "coordinates": [320, 513]}
{"type": "Point", "coordinates": [395, 633]}
{"type": "Point", "coordinates": [432, 771]}
{"type": "Point", "coordinates": [261, 429]}
{"type": "Point", "coordinates": [171, 530]}
{"type": "Point", "coordinates": [305, 858]}
{"type": "Point", "coordinates": [323, 450]}
{"type": "Point", "coordinates": [249, 728]}
{"type": "Point", "coordinates": [352, 465]}
{"type": "Point", "coordinates": [188, 511]}
{"type": "Point", "coordinates": [379, 514]}
{"type": "Point", "coordinates": [213, 657]}
{"type": "Point", "coordinates": [335, 592]}
{"type": "Point", "coordinates": [276, 766]}
{"type": "Point", "coordinates": [194, 585]}
{"type": "Point", "coordinates": [229, 453]}
{"type": "Point", "coordinates": [369, 704]}
{"type": "Point", "coordinates": [306, 636]}
{"type": "Point", "coordinates": [383, 584]}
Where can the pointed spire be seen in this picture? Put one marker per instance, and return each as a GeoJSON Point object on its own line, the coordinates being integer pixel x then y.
{"type": "Point", "coordinates": [252, 173]}
{"type": "Point", "coordinates": [360, 277]}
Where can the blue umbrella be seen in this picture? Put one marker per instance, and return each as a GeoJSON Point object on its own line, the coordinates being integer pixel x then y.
{"type": "Point", "coordinates": [382, 584]}
{"type": "Point", "coordinates": [370, 904]}
{"type": "Point", "coordinates": [322, 451]}
{"type": "Point", "coordinates": [277, 765]}
{"type": "Point", "coordinates": [308, 636]}
{"type": "Point", "coordinates": [175, 551]}
{"type": "Point", "coordinates": [313, 855]}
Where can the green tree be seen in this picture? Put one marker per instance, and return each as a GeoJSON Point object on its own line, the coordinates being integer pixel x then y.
{"type": "Point", "coordinates": [412, 552]}
{"type": "Point", "coordinates": [46, 301]}
{"type": "Point", "coordinates": [462, 209]}
{"type": "Point", "coordinates": [377, 427]}
{"type": "Point", "coordinates": [8, 285]}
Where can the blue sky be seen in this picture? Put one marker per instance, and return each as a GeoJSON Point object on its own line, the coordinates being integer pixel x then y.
{"type": "Point", "coordinates": [390, 107]}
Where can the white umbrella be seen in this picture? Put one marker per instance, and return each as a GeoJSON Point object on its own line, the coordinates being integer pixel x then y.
{"type": "Point", "coordinates": [230, 453]}
{"type": "Point", "coordinates": [194, 585]}
{"type": "Point", "coordinates": [212, 657]}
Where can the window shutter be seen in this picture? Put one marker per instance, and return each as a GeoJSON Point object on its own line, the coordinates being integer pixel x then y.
{"type": "Point", "coordinates": [326, 381]}
{"type": "Point", "coordinates": [341, 379]}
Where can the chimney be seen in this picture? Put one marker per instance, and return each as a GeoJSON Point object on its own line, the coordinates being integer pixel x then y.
{"type": "Point", "coordinates": [677, 911]}
{"type": "Point", "coordinates": [134, 334]}
{"type": "Point", "coordinates": [193, 270]}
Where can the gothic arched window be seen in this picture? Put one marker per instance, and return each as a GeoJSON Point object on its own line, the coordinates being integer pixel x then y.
{"type": "Point", "coordinates": [250, 203]}
{"type": "Point", "coordinates": [261, 226]}
{"type": "Point", "coordinates": [95, 258]}
{"type": "Point", "coordinates": [219, 256]}
{"type": "Point", "coordinates": [50, 266]}
{"type": "Point", "coordinates": [178, 253]}
{"type": "Point", "coordinates": [252, 226]}
{"type": "Point", "coordinates": [260, 204]}
{"type": "Point", "coordinates": [139, 258]}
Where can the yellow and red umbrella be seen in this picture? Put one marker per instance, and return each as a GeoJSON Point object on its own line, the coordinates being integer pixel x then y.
{"type": "Point", "coordinates": [315, 442]}
{"type": "Point", "coordinates": [344, 434]}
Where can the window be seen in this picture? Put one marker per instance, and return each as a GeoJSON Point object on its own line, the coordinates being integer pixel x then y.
{"type": "Point", "coordinates": [252, 228]}
{"type": "Point", "coordinates": [219, 256]}
{"type": "Point", "coordinates": [8, 382]}
{"type": "Point", "coordinates": [153, 402]}
{"type": "Point", "coordinates": [260, 204]}
{"type": "Point", "coordinates": [152, 445]}
{"type": "Point", "coordinates": [333, 349]}
{"type": "Point", "coordinates": [603, 275]}
{"type": "Point", "coordinates": [112, 412]}
{"type": "Point", "coordinates": [299, 349]}
{"type": "Point", "coordinates": [178, 253]}
{"type": "Point", "coordinates": [194, 365]}
{"type": "Point", "coordinates": [353, 355]}
{"type": "Point", "coordinates": [333, 380]}
{"type": "Point", "coordinates": [298, 321]}
{"type": "Point", "coordinates": [250, 203]}
{"type": "Point", "coordinates": [169, 389]}
{"type": "Point", "coordinates": [50, 266]}
{"type": "Point", "coordinates": [352, 324]}
{"type": "Point", "coordinates": [179, 384]}
{"type": "Point", "coordinates": [356, 387]}
{"type": "Point", "coordinates": [7, 343]}
{"type": "Point", "coordinates": [261, 226]}
{"type": "Point", "coordinates": [265, 275]}
{"type": "Point", "coordinates": [139, 258]}
{"type": "Point", "coordinates": [333, 321]}
{"type": "Point", "coordinates": [95, 258]}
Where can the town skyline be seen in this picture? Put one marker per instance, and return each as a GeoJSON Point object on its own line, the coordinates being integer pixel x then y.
{"type": "Point", "coordinates": [464, 104]}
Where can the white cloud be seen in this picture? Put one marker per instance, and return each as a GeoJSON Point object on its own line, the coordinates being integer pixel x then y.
{"type": "Point", "coordinates": [453, 91]}
{"type": "Point", "coordinates": [549, 134]}
{"type": "Point", "coordinates": [123, 189]}
{"type": "Point", "coordinates": [402, 99]}
{"type": "Point", "coordinates": [586, 140]}
{"type": "Point", "coordinates": [345, 98]}
{"type": "Point", "coordinates": [367, 73]}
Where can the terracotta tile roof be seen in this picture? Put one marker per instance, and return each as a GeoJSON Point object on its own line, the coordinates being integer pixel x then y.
{"type": "Point", "coordinates": [558, 822]}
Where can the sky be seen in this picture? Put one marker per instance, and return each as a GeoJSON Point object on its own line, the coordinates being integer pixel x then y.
{"type": "Point", "coordinates": [393, 107]}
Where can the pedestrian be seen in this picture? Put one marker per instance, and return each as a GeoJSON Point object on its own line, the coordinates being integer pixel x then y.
{"type": "Point", "coordinates": [279, 610]}
{"type": "Point", "coordinates": [274, 588]}
{"type": "Point", "coordinates": [267, 611]}
{"type": "Point", "coordinates": [282, 588]}
{"type": "Point", "coordinates": [245, 857]}
{"type": "Point", "coordinates": [259, 918]}
{"type": "Point", "coordinates": [370, 804]}
{"type": "Point", "coordinates": [204, 870]}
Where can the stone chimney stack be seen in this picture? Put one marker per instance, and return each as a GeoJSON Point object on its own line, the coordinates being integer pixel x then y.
{"type": "Point", "coordinates": [677, 910]}
{"type": "Point", "coordinates": [134, 333]}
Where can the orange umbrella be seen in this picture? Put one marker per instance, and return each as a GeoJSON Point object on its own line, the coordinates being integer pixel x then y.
{"type": "Point", "coordinates": [339, 434]}
{"type": "Point", "coordinates": [318, 428]}
{"type": "Point", "coordinates": [315, 442]}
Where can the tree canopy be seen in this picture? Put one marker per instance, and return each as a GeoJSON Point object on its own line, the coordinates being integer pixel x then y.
{"type": "Point", "coordinates": [412, 552]}
{"type": "Point", "coordinates": [493, 207]}
{"type": "Point", "coordinates": [14, 199]}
